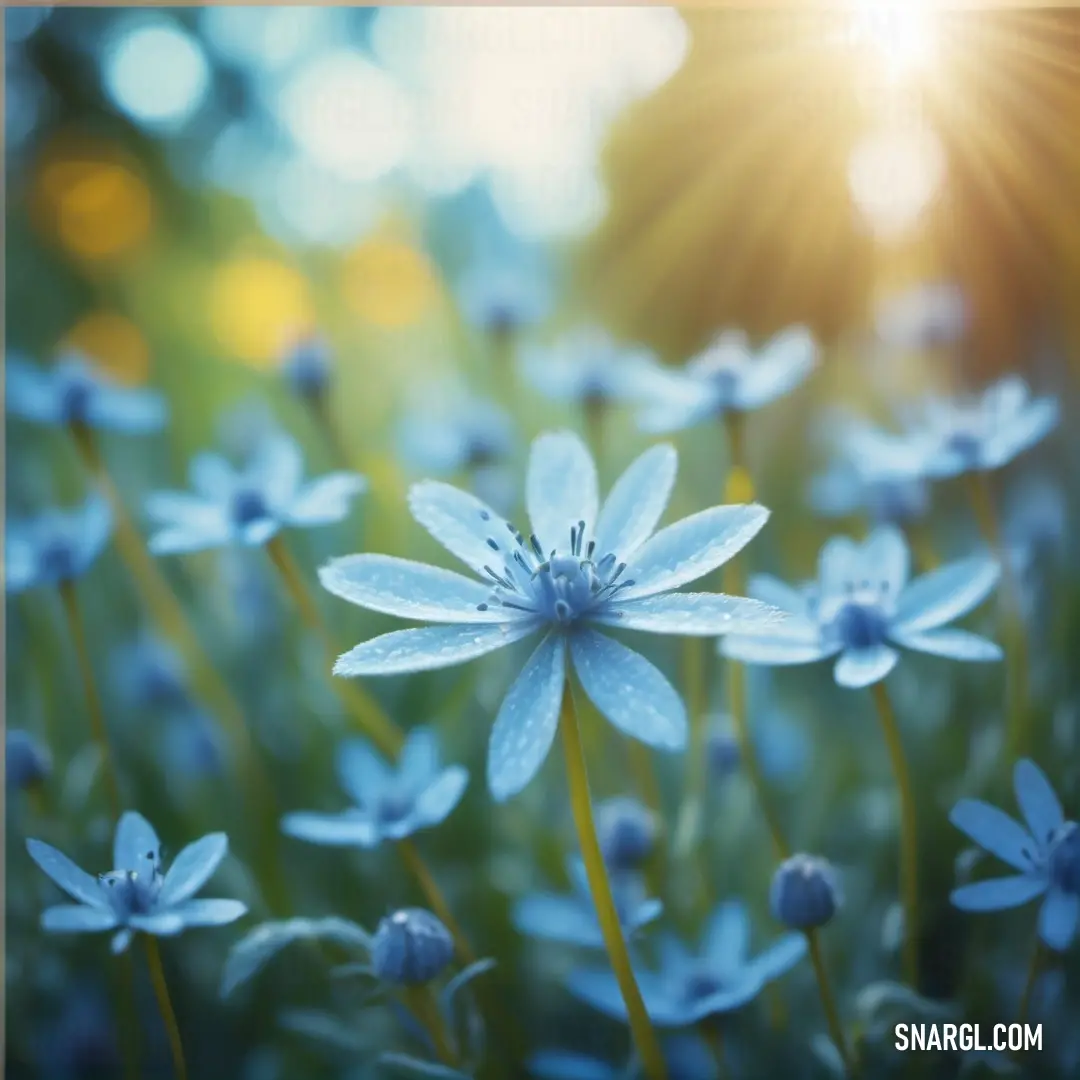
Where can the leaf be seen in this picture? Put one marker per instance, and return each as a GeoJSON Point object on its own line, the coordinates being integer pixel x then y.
{"type": "Point", "coordinates": [410, 1066]}
{"type": "Point", "coordinates": [324, 1028]}
{"type": "Point", "coordinates": [880, 1006]}
{"type": "Point", "coordinates": [826, 1052]}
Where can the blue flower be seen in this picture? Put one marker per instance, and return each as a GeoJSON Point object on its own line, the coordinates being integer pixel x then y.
{"type": "Point", "coordinates": [805, 892]}
{"type": "Point", "coordinates": [689, 987]}
{"type": "Point", "coordinates": [781, 745]}
{"type": "Point", "coordinates": [571, 918]}
{"type": "Point", "coordinates": [136, 895]}
{"type": "Point", "coordinates": [1046, 855]}
{"type": "Point", "coordinates": [390, 804]}
{"type": "Point", "coordinates": [72, 393]}
{"type": "Point", "coordinates": [307, 366]}
{"type": "Point", "coordinates": [57, 546]}
{"type": "Point", "coordinates": [149, 673]}
{"type": "Point", "coordinates": [929, 315]}
{"type": "Point", "coordinates": [449, 431]}
{"type": "Point", "coordinates": [581, 567]}
{"type": "Point", "coordinates": [863, 607]}
{"type": "Point", "coordinates": [27, 763]}
{"type": "Point", "coordinates": [248, 506]}
{"type": "Point", "coordinates": [410, 947]}
{"type": "Point", "coordinates": [587, 367]}
{"type": "Point", "coordinates": [502, 296]}
{"type": "Point", "coordinates": [728, 377]}
{"type": "Point", "coordinates": [626, 830]}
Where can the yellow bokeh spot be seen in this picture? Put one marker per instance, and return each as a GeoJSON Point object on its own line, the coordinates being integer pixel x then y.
{"type": "Point", "coordinates": [388, 283]}
{"type": "Point", "coordinates": [114, 343]}
{"type": "Point", "coordinates": [257, 306]}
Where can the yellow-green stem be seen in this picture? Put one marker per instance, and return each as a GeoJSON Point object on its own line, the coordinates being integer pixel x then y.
{"type": "Point", "coordinates": [828, 1002]}
{"type": "Point", "coordinates": [161, 992]}
{"type": "Point", "coordinates": [645, 1040]}
{"type": "Point", "coordinates": [1038, 955]}
{"type": "Point", "coordinates": [909, 843]}
{"type": "Point", "coordinates": [922, 544]}
{"type": "Point", "coordinates": [430, 888]}
{"type": "Point", "coordinates": [714, 1039]}
{"type": "Point", "coordinates": [93, 700]}
{"type": "Point", "coordinates": [423, 1004]}
{"type": "Point", "coordinates": [365, 710]}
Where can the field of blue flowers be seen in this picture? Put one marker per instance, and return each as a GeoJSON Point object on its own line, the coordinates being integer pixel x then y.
{"type": "Point", "coordinates": [585, 715]}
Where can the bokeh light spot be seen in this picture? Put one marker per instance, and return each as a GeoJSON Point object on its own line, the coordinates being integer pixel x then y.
{"type": "Point", "coordinates": [114, 343]}
{"type": "Point", "coordinates": [388, 283]}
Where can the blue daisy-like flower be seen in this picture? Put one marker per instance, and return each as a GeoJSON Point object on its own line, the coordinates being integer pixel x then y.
{"type": "Point", "coordinates": [729, 377]}
{"type": "Point", "coordinates": [55, 547]}
{"type": "Point", "coordinates": [1045, 854]}
{"type": "Point", "coordinates": [928, 315]}
{"type": "Point", "coordinates": [581, 567]}
{"type": "Point", "coordinates": [136, 895]}
{"type": "Point", "coordinates": [391, 804]}
{"type": "Point", "coordinates": [251, 505]}
{"type": "Point", "coordinates": [72, 393]}
{"type": "Point", "coordinates": [503, 295]}
{"type": "Point", "coordinates": [863, 608]}
{"type": "Point", "coordinates": [688, 987]}
{"type": "Point", "coordinates": [571, 919]}
{"type": "Point", "coordinates": [449, 431]}
{"type": "Point", "coordinates": [781, 745]}
{"type": "Point", "coordinates": [149, 673]}
{"type": "Point", "coordinates": [307, 366]}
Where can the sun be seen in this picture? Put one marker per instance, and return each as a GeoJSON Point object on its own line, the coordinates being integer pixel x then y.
{"type": "Point", "coordinates": [904, 35]}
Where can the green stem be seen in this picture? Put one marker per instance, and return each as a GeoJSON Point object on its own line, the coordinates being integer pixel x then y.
{"type": "Point", "coordinates": [161, 992]}
{"type": "Point", "coordinates": [93, 699]}
{"type": "Point", "coordinates": [1038, 955]}
{"type": "Point", "coordinates": [828, 1002]}
{"type": "Point", "coordinates": [909, 844]}
{"type": "Point", "coordinates": [648, 1047]}
{"type": "Point", "coordinates": [423, 1004]}
{"type": "Point", "coordinates": [430, 888]}
{"type": "Point", "coordinates": [365, 710]}
{"type": "Point", "coordinates": [713, 1037]}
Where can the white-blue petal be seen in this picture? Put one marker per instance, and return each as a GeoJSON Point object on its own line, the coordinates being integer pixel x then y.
{"type": "Point", "coordinates": [326, 500]}
{"type": "Point", "coordinates": [884, 557]}
{"type": "Point", "coordinates": [857, 668]}
{"type": "Point", "coordinates": [181, 540]}
{"type": "Point", "coordinates": [418, 762]}
{"type": "Point", "coordinates": [135, 844]}
{"type": "Point", "coordinates": [779, 649]}
{"type": "Point", "coordinates": [276, 469]}
{"type": "Point", "coordinates": [560, 487]}
{"type": "Point", "coordinates": [349, 829]}
{"type": "Point", "coordinates": [1030, 426]}
{"type": "Point", "coordinates": [566, 1065]}
{"type": "Point", "coordinates": [125, 409]}
{"type": "Point", "coordinates": [77, 883]}
{"type": "Point", "coordinates": [260, 531]}
{"type": "Point", "coordinates": [76, 919]}
{"type": "Point", "coordinates": [162, 923]}
{"type": "Point", "coordinates": [779, 958]}
{"type": "Point", "coordinates": [121, 941]}
{"type": "Point", "coordinates": [557, 918]}
{"type": "Point", "coordinates": [784, 362]}
{"type": "Point", "coordinates": [692, 614]}
{"type": "Point", "coordinates": [412, 590]}
{"type": "Point", "coordinates": [181, 508]}
{"type": "Point", "coordinates": [691, 548]}
{"type": "Point", "coordinates": [428, 648]}
{"type": "Point", "coordinates": [436, 802]}
{"type": "Point", "coordinates": [527, 721]}
{"type": "Point", "coordinates": [629, 690]}
{"type": "Point", "coordinates": [1058, 919]}
{"type": "Point", "coordinates": [361, 771]}
{"type": "Point", "coordinates": [212, 476]}
{"type": "Point", "coordinates": [997, 894]}
{"type": "Point", "coordinates": [947, 593]}
{"type": "Point", "coordinates": [193, 868]}
{"type": "Point", "coordinates": [771, 590]}
{"type": "Point", "coordinates": [210, 912]}
{"type": "Point", "coordinates": [1039, 804]}
{"type": "Point", "coordinates": [994, 831]}
{"type": "Point", "coordinates": [30, 393]}
{"type": "Point", "coordinates": [951, 643]}
{"type": "Point", "coordinates": [634, 505]}
{"type": "Point", "coordinates": [726, 941]}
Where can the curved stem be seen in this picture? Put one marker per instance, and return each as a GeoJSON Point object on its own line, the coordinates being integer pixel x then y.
{"type": "Point", "coordinates": [364, 708]}
{"type": "Point", "coordinates": [423, 1005]}
{"type": "Point", "coordinates": [909, 844]}
{"type": "Point", "coordinates": [430, 888]}
{"type": "Point", "coordinates": [1038, 955]}
{"type": "Point", "coordinates": [648, 1047]}
{"type": "Point", "coordinates": [161, 992]}
{"type": "Point", "coordinates": [828, 1002]}
{"type": "Point", "coordinates": [93, 699]}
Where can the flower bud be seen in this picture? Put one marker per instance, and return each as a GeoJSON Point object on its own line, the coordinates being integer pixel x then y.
{"type": "Point", "coordinates": [410, 947]}
{"type": "Point", "coordinates": [627, 833]}
{"type": "Point", "coordinates": [805, 892]}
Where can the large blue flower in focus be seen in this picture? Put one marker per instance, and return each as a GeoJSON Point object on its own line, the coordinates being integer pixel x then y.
{"type": "Point", "coordinates": [72, 393]}
{"type": "Point", "coordinates": [580, 568]}
{"type": "Point", "coordinates": [720, 977]}
{"type": "Point", "coordinates": [1046, 856]}
{"type": "Point", "coordinates": [250, 505]}
{"type": "Point", "coordinates": [55, 547]}
{"type": "Point", "coordinates": [136, 895]}
{"type": "Point", "coordinates": [391, 804]}
{"type": "Point", "coordinates": [863, 608]}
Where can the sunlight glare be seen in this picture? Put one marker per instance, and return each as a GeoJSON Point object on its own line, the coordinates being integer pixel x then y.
{"type": "Point", "coordinates": [904, 35]}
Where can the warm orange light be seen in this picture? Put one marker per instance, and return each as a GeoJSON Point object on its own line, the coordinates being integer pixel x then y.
{"type": "Point", "coordinates": [388, 283]}
{"type": "Point", "coordinates": [115, 344]}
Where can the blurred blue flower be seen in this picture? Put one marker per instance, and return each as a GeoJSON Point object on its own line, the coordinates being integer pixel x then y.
{"type": "Point", "coordinates": [410, 947]}
{"type": "Point", "coordinates": [1046, 854]}
{"type": "Point", "coordinates": [689, 987]}
{"type": "Point", "coordinates": [149, 673]}
{"type": "Point", "coordinates": [448, 431]}
{"type": "Point", "coordinates": [728, 377]}
{"type": "Point", "coordinates": [687, 1058]}
{"type": "Point", "coordinates": [72, 392]}
{"type": "Point", "coordinates": [780, 743]}
{"type": "Point", "coordinates": [391, 804]}
{"type": "Point", "coordinates": [571, 918]}
{"type": "Point", "coordinates": [503, 296]}
{"type": "Point", "coordinates": [192, 746]}
{"type": "Point", "coordinates": [136, 895]}
{"type": "Point", "coordinates": [28, 762]}
{"type": "Point", "coordinates": [307, 366]}
{"type": "Point", "coordinates": [1035, 530]}
{"type": "Point", "coordinates": [56, 546]}
{"type": "Point", "coordinates": [626, 830]}
{"type": "Point", "coordinates": [580, 567]}
{"type": "Point", "coordinates": [250, 505]}
{"type": "Point", "coordinates": [863, 606]}
{"type": "Point", "coordinates": [805, 892]}
{"type": "Point", "coordinates": [925, 316]}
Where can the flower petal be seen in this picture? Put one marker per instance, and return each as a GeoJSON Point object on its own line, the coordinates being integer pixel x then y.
{"type": "Point", "coordinates": [362, 772]}
{"type": "Point", "coordinates": [162, 923]}
{"type": "Point", "coordinates": [692, 614]}
{"type": "Point", "coordinates": [436, 802]}
{"type": "Point", "coordinates": [726, 941]}
{"type": "Point", "coordinates": [76, 918]}
{"type": "Point", "coordinates": [742, 990]}
{"type": "Point", "coordinates": [779, 958]}
{"type": "Point", "coordinates": [276, 469]}
{"type": "Point", "coordinates": [77, 883]}
{"type": "Point", "coordinates": [692, 547]}
{"type": "Point", "coordinates": [1039, 804]}
{"type": "Point", "coordinates": [418, 762]}
{"type": "Point", "coordinates": [1058, 919]}
{"type": "Point", "coordinates": [857, 668]}
{"type": "Point", "coordinates": [634, 505]}
{"type": "Point", "coordinates": [412, 590]}
{"type": "Point", "coordinates": [947, 593]}
{"type": "Point", "coordinates": [210, 912]}
{"type": "Point", "coordinates": [193, 868]}
{"type": "Point", "coordinates": [567, 1065]}
{"type": "Point", "coordinates": [349, 829]}
{"type": "Point", "coordinates": [994, 831]}
{"type": "Point", "coordinates": [997, 894]}
{"type": "Point", "coordinates": [784, 362]}
{"type": "Point", "coordinates": [771, 590]}
{"type": "Point", "coordinates": [600, 990]}
{"type": "Point", "coordinates": [183, 540]}
{"type": "Point", "coordinates": [136, 845]}
{"type": "Point", "coordinates": [1032, 424]}
{"type": "Point", "coordinates": [527, 721]}
{"type": "Point", "coordinates": [30, 392]}
{"type": "Point", "coordinates": [951, 643]}
{"type": "Point", "coordinates": [212, 476]}
{"type": "Point", "coordinates": [326, 499]}
{"type": "Point", "coordinates": [560, 488]}
{"type": "Point", "coordinates": [121, 941]}
{"type": "Point", "coordinates": [629, 691]}
{"type": "Point", "coordinates": [126, 409]}
{"type": "Point", "coordinates": [784, 646]}
{"type": "Point", "coordinates": [428, 648]}
{"type": "Point", "coordinates": [552, 917]}
{"type": "Point", "coordinates": [181, 508]}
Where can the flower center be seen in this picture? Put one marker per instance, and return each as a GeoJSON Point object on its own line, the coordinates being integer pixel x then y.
{"type": "Point", "coordinates": [1065, 858]}
{"type": "Point", "coordinates": [860, 625]}
{"type": "Point", "coordinates": [57, 560]}
{"type": "Point", "coordinates": [394, 807]}
{"type": "Point", "coordinates": [701, 982]}
{"type": "Point", "coordinates": [75, 399]}
{"type": "Point", "coordinates": [248, 506]}
{"type": "Point", "coordinates": [131, 893]}
{"type": "Point", "coordinates": [480, 451]}
{"type": "Point", "coordinates": [966, 444]}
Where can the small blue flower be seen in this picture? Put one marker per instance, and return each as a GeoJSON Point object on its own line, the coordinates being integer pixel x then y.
{"type": "Point", "coordinates": [57, 546]}
{"type": "Point", "coordinates": [863, 607]}
{"type": "Point", "coordinates": [503, 296]}
{"type": "Point", "coordinates": [927, 316]}
{"type": "Point", "coordinates": [581, 567]}
{"type": "Point", "coordinates": [781, 745]}
{"type": "Point", "coordinates": [410, 947]}
{"type": "Point", "coordinates": [149, 673]}
{"type": "Point", "coordinates": [248, 506]}
{"type": "Point", "coordinates": [390, 804]}
{"type": "Point", "coordinates": [571, 918]}
{"type": "Point", "coordinates": [449, 431]}
{"type": "Point", "coordinates": [28, 762]}
{"type": "Point", "coordinates": [805, 892]}
{"type": "Point", "coordinates": [627, 832]}
{"type": "Point", "coordinates": [72, 393]}
{"type": "Point", "coordinates": [307, 366]}
{"type": "Point", "coordinates": [136, 895]}
{"type": "Point", "coordinates": [1046, 855]}
{"type": "Point", "coordinates": [689, 987]}
{"type": "Point", "coordinates": [728, 377]}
